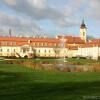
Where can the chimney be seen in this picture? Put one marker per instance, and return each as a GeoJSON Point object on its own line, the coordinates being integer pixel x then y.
{"type": "Point", "coordinates": [9, 32]}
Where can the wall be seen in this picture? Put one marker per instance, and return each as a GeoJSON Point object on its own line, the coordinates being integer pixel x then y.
{"type": "Point", "coordinates": [92, 52]}
{"type": "Point", "coordinates": [8, 50]}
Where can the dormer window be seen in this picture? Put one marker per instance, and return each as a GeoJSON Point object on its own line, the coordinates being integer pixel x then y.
{"type": "Point", "coordinates": [45, 44]}
{"type": "Point", "coordinates": [6, 43]}
{"type": "Point", "coordinates": [29, 41]}
{"type": "Point", "coordinates": [34, 44]}
{"type": "Point", "coordinates": [14, 43]}
{"type": "Point", "coordinates": [11, 43]}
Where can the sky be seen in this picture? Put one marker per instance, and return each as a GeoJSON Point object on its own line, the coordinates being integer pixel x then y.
{"type": "Point", "coordinates": [49, 17]}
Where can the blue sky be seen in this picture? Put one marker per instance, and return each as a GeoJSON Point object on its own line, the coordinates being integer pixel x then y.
{"type": "Point", "coordinates": [49, 17]}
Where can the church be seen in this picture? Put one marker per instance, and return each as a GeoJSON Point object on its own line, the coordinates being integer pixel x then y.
{"type": "Point", "coordinates": [60, 46]}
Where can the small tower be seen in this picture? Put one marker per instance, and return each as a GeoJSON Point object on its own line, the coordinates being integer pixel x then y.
{"type": "Point", "coordinates": [83, 31]}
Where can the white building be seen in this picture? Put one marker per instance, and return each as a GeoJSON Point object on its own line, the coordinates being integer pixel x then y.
{"type": "Point", "coordinates": [51, 47]}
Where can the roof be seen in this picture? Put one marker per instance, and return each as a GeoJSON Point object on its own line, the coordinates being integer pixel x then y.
{"type": "Point", "coordinates": [72, 40]}
{"type": "Point", "coordinates": [47, 42]}
{"type": "Point", "coordinates": [95, 41]}
{"type": "Point", "coordinates": [73, 47]}
{"type": "Point", "coordinates": [25, 39]}
{"type": "Point", "coordinates": [89, 45]}
{"type": "Point", "coordinates": [83, 25]}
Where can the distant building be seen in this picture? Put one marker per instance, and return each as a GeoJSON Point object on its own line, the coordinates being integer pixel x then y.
{"type": "Point", "coordinates": [51, 47]}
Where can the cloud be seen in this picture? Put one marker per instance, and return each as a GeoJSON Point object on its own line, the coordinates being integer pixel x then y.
{"type": "Point", "coordinates": [41, 10]}
{"type": "Point", "coordinates": [37, 3]}
{"type": "Point", "coordinates": [33, 8]}
{"type": "Point", "coordinates": [31, 12]}
{"type": "Point", "coordinates": [10, 2]}
{"type": "Point", "coordinates": [93, 10]}
{"type": "Point", "coordinates": [86, 8]}
{"type": "Point", "coordinates": [18, 25]}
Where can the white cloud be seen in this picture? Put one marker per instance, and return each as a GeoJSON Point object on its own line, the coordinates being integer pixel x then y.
{"type": "Point", "coordinates": [10, 2]}
{"type": "Point", "coordinates": [69, 15]}
{"type": "Point", "coordinates": [38, 3]}
{"type": "Point", "coordinates": [41, 10]}
{"type": "Point", "coordinates": [18, 25]}
{"type": "Point", "coordinates": [93, 10]}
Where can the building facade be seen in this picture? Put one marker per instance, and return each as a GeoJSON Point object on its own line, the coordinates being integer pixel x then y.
{"type": "Point", "coordinates": [60, 46]}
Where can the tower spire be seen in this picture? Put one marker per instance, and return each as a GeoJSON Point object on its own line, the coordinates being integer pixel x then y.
{"type": "Point", "coordinates": [83, 24]}
{"type": "Point", "coordinates": [83, 31]}
{"type": "Point", "coordinates": [83, 21]}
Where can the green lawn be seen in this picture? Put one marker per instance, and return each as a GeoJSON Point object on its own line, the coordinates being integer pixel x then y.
{"type": "Point", "coordinates": [83, 61]}
{"type": "Point", "coordinates": [70, 60]}
{"type": "Point", "coordinates": [20, 83]}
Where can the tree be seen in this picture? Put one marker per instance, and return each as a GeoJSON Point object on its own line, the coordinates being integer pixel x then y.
{"type": "Point", "coordinates": [89, 37]}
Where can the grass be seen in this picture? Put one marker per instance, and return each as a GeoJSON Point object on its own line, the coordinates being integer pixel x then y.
{"type": "Point", "coordinates": [83, 61]}
{"type": "Point", "coordinates": [71, 60]}
{"type": "Point", "coordinates": [20, 83]}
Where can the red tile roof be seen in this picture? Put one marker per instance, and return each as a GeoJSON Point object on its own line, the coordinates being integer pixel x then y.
{"type": "Point", "coordinates": [25, 39]}
{"type": "Point", "coordinates": [89, 45]}
{"type": "Point", "coordinates": [73, 47]}
{"type": "Point", "coordinates": [46, 42]}
{"type": "Point", "coordinates": [18, 41]}
{"type": "Point", "coordinates": [72, 40]}
{"type": "Point", "coordinates": [94, 41]}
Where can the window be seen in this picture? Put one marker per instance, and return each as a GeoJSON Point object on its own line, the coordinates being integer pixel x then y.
{"type": "Point", "coordinates": [0, 50]}
{"type": "Point", "coordinates": [45, 44]}
{"type": "Point", "coordinates": [2, 43]}
{"type": "Point", "coordinates": [25, 49]}
{"type": "Point", "coordinates": [83, 33]}
{"type": "Point", "coordinates": [42, 44]}
{"type": "Point", "coordinates": [59, 44]}
{"type": "Point", "coordinates": [39, 51]}
{"type": "Point", "coordinates": [37, 44]}
{"type": "Point", "coordinates": [7, 50]}
{"type": "Point", "coordinates": [14, 50]}
{"type": "Point", "coordinates": [29, 41]}
{"type": "Point", "coordinates": [34, 44]}
{"type": "Point", "coordinates": [55, 44]}
{"type": "Point", "coordinates": [49, 51]}
{"type": "Point", "coordinates": [11, 43]}
{"type": "Point", "coordinates": [14, 43]}
{"type": "Point", "coordinates": [45, 51]}
{"type": "Point", "coordinates": [6, 43]}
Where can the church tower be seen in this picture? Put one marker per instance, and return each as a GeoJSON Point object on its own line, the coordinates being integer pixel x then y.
{"type": "Point", "coordinates": [83, 31]}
